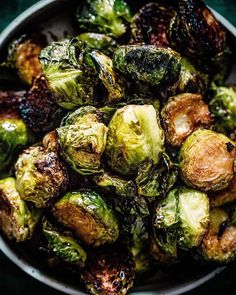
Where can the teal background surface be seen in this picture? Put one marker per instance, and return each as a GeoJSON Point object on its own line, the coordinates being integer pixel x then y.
{"type": "Point", "coordinates": [12, 280]}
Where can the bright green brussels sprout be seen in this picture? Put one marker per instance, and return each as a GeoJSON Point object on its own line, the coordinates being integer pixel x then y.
{"type": "Point", "coordinates": [13, 137]}
{"type": "Point", "coordinates": [70, 73]}
{"type": "Point", "coordinates": [134, 136]}
{"type": "Point", "coordinates": [63, 246]}
{"type": "Point", "coordinates": [182, 115]}
{"type": "Point", "coordinates": [110, 17]}
{"type": "Point", "coordinates": [23, 55]}
{"type": "Point", "coordinates": [83, 140]}
{"type": "Point", "coordinates": [206, 160]}
{"type": "Point", "coordinates": [223, 106]}
{"type": "Point", "coordinates": [89, 216]}
{"type": "Point", "coordinates": [149, 65]}
{"type": "Point", "coordinates": [17, 219]}
{"type": "Point", "coordinates": [219, 243]}
{"type": "Point", "coordinates": [184, 216]}
{"type": "Point", "coordinates": [109, 78]}
{"type": "Point", "coordinates": [154, 180]}
{"type": "Point", "coordinates": [98, 41]}
{"type": "Point", "coordinates": [109, 271]}
{"type": "Point", "coordinates": [40, 176]}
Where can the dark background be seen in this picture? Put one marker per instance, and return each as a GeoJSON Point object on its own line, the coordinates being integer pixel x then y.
{"type": "Point", "coordinates": [12, 280]}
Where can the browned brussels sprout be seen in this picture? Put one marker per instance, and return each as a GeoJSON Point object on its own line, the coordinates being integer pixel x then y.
{"type": "Point", "coordinates": [151, 24]}
{"type": "Point", "coordinates": [38, 110]}
{"type": "Point", "coordinates": [182, 115]}
{"type": "Point", "coordinates": [109, 271]}
{"type": "Point", "coordinates": [89, 216]}
{"type": "Point", "coordinates": [219, 244]}
{"type": "Point", "coordinates": [40, 176]}
{"type": "Point", "coordinates": [206, 160]}
{"type": "Point", "coordinates": [195, 31]}
{"type": "Point", "coordinates": [24, 56]}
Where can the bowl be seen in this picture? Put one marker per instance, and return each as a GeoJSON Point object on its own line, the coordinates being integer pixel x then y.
{"type": "Point", "coordinates": [53, 18]}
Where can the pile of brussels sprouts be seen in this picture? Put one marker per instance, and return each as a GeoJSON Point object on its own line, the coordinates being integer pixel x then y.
{"type": "Point", "coordinates": [117, 146]}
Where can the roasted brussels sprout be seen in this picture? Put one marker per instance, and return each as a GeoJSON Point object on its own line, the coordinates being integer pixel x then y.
{"type": "Point", "coordinates": [195, 31]}
{"type": "Point", "coordinates": [184, 214]}
{"type": "Point", "coordinates": [223, 107]}
{"type": "Point", "coordinates": [219, 243]}
{"type": "Point", "coordinates": [109, 271]}
{"type": "Point", "coordinates": [89, 216]}
{"type": "Point", "coordinates": [63, 246]}
{"type": "Point", "coordinates": [151, 24]}
{"type": "Point", "coordinates": [182, 115]}
{"type": "Point", "coordinates": [83, 140]}
{"type": "Point", "coordinates": [38, 110]}
{"type": "Point", "coordinates": [17, 219]}
{"type": "Point", "coordinates": [111, 81]}
{"type": "Point", "coordinates": [206, 160]}
{"type": "Point", "coordinates": [101, 42]}
{"type": "Point", "coordinates": [134, 136]}
{"type": "Point", "coordinates": [70, 73]}
{"type": "Point", "coordinates": [13, 137]}
{"type": "Point", "coordinates": [40, 176]}
{"type": "Point", "coordinates": [110, 17]}
{"type": "Point", "coordinates": [24, 56]}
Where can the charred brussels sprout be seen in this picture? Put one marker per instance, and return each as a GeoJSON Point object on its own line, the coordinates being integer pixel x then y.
{"type": "Point", "coordinates": [40, 176]}
{"type": "Point", "coordinates": [206, 160]}
{"type": "Point", "coordinates": [184, 213]}
{"type": "Point", "coordinates": [110, 17]}
{"type": "Point", "coordinates": [223, 107]}
{"type": "Point", "coordinates": [63, 246]}
{"type": "Point", "coordinates": [134, 136]}
{"type": "Point", "coordinates": [83, 140]}
{"type": "Point", "coordinates": [195, 31]}
{"type": "Point", "coordinates": [101, 42]}
{"type": "Point", "coordinates": [17, 220]}
{"type": "Point", "coordinates": [219, 244]}
{"type": "Point", "coordinates": [151, 24]}
{"type": "Point", "coordinates": [182, 115]}
{"type": "Point", "coordinates": [109, 271]}
{"type": "Point", "coordinates": [24, 56]}
{"type": "Point", "coordinates": [89, 216]}
{"type": "Point", "coordinates": [13, 137]}
{"type": "Point", "coordinates": [70, 73]}
{"type": "Point", "coordinates": [38, 110]}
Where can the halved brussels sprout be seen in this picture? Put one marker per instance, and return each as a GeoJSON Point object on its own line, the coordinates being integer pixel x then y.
{"type": "Point", "coordinates": [40, 176]}
{"type": "Point", "coordinates": [70, 73]}
{"type": "Point", "coordinates": [111, 81]}
{"type": "Point", "coordinates": [101, 42]}
{"type": "Point", "coordinates": [13, 137]}
{"type": "Point", "coordinates": [38, 110]}
{"type": "Point", "coordinates": [195, 31]}
{"type": "Point", "coordinates": [109, 271]}
{"type": "Point", "coordinates": [134, 136]}
{"type": "Point", "coordinates": [219, 244]}
{"type": "Point", "coordinates": [206, 160]}
{"type": "Point", "coordinates": [63, 246]}
{"type": "Point", "coordinates": [17, 219]}
{"type": "Point", "coordinates": [151, 24]}
{"type": "Point", "coordinates": [184, 213]}
{"type": "Point", "coordinates": [24, 56]}
{"type": "Point", "coordinates": [182, 115]}
{"type": "Point", "coordinates": [83, 140]}
{"type": "Point", "coordinates": [110, 17]}
{"type": "Point", "coordinates": [223, 197]}
{"type": "Point", "coordinates": [223, 106]}
{"type": "Point", "coordinates": [148, 64]}
{"type": "Point", "coordinates": [89, 216]}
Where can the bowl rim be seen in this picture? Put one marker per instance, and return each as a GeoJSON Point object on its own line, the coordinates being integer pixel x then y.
{"type": "Point", "coordinates": [23, 264]}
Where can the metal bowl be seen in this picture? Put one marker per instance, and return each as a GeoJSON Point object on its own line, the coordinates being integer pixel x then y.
{"type": "Point", "coordinates": [53, 17]}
